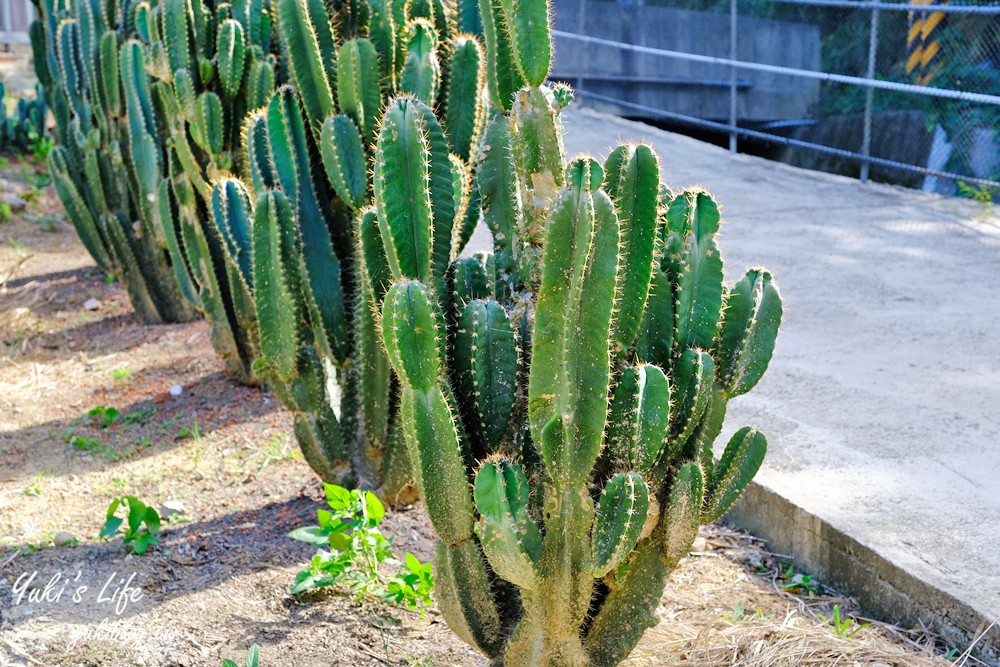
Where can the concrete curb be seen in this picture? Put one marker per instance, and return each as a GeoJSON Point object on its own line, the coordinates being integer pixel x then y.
{"type": "Point", "coordinates": [884, 590]}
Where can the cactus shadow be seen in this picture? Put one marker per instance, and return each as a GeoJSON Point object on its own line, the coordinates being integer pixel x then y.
{"type": "Point", "coordinates": [191, 559]}
{"type": "Point", "coordinates": [55, 276]}
{"type": "Point", "coordinates": [152, 422]}
{"type": "Point", "coordinates": [107, 335]}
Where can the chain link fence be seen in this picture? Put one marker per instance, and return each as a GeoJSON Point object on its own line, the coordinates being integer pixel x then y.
{"type": "Point", "coordinates": [903, 93]}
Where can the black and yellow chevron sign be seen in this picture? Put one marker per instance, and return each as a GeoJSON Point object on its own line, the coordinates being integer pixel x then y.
{"type": "Point", "coordinates": [922, 47]}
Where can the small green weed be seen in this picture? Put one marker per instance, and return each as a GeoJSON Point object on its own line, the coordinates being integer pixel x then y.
{"type": "Point", "coordinates": [357, 549]}
{"type": "Point", "coordinates": [106, 416]}
{"type": "Point", "coordinates": [91, 445]}
{"type": "Point", "coordinates": [17, 247]}
{"type": "Point", "coordinates": [183, 433]}
{"type": "Point", "coordinates": [6, 212]}
{"type": "Point", "coordinates": [34, 547]}
{"type": "Point", "coordinates": [139, 528]}
{"type": "Point", "coordinates": [35, 489]}
{"type": "Point", "coordinates": [121, 376]}
{"type": "Point", "coordinates": [796, 582]}
{"type": "Point", "coordinates": [40, 146]}
{"type": "Point", "coordinates": [140, 416]}
{"type": "Point", "coordinates": [39, 178]}
{"type": "Point", "coordinates": [50, 222]}
{"type": "Point", "coordinates": [278, 448]}
{"type": "Point", "coordinates": [197, 446]}
{"type": "Point", "coordinates": [979, 193]}
{"type": "Point", "coordinates": [252, 660]}
{"type": "Point", "coordinates": [179, 518]}
{"type": "Point", "coordinates": [845, 627]}
{"type": "Point", "coordinates": [738, 614]}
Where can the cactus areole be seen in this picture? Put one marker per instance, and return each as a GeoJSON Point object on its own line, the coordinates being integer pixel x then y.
{"type": "Point", "coordinates": [559, 397]}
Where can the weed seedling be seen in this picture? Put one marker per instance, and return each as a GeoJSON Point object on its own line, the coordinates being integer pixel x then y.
{"type": "Point", "coordinates": [120, 376]}
{"type": "Point", "coordinates": [92, 445]}
{"type": "Point", "coordinates": [184, 433]}
{"type": "Point", "coordinates": [105, 415]}
{"type": "Point", "coordinates": [139, 528]}
{"type": "Point", "coordinates": [278, 448]}
{"type": "Point", "coordinates": [738, 614]}
{"type": "Point", "coordinates": [796, 582]}
{"type": "Point", "coordinates": [845, 627]}
{"type": "Point", "coordinates": [140, 416]}
{"type": "Point", "coordinates": [35, 489]}
{"type": "Point", "coordinates": [253, 658]}
{"type": "Point", "coordinates": [352, 550]}
{"type": "Point", "coordinates": [197, 446]}
{"type": "Point", "coordinates": [17, 246]}
{"type": "Point", "coordinates": [50, 223]}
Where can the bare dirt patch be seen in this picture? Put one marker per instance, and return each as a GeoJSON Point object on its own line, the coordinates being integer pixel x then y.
{"type": "Point", "coordinates": [220, 578]}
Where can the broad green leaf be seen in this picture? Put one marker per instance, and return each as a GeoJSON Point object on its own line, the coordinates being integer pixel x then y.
{"type": "Point", "coordinates": [309, 534]}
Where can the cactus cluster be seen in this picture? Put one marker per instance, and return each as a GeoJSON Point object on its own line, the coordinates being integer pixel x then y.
{"type": "Point", "coordinates": [24, 127]}
{"type": "Point", "coordinates": [308, 174]}
{"type": "Point", "coordinates": [209, 65]}
{"type": "Point", "coordinates": [312, 252]}
{"type": "Point", "coordinates": [203, 119]}
{"type": "Point", "coordinates": [106, 166]}
{"type": "Point", "coordinates": [560, 396]}
{"type": "Point", "coordinates": [144, 78]}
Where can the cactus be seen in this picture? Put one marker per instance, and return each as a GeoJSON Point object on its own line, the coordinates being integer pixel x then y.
{"type": "Point", "coordinates": [23, 129]}
{"type": "Point", "coordinates": [318, 277]}
{"type": "Point", "coordinates": [560, 397]}
{"type": "Point", "coordinates": [198, 133]}
{"type": "Point", "coordinates": [105, 168]}
{"type": "Point", "coordinates": [148, 105]}
{"type": "Point", "coordinates": [213, 64]}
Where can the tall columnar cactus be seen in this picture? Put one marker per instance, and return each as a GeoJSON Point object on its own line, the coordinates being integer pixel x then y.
{"type": "Point", "coordinates": [560, 397]}
{"type": "Point", "coordinates": [106, 168]}
{"type": "Point", "coordinates": [318, 277]}
{"type": "Point", "coordinates": [210, 64]}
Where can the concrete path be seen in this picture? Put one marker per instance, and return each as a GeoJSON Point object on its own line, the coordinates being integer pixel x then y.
{"type": "Point", "coordinates": [882, 404]}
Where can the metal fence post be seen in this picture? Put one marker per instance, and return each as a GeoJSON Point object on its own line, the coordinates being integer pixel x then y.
{"type": "Point", "coordinates": [581, 28]}
{"type": "Point", "coordinates": [733, 7]}
{"type": "Point", "coordinates": [866, 141]}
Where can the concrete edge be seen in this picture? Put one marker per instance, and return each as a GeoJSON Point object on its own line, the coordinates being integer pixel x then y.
{"type": "Point", "coordinates": [884, 590]}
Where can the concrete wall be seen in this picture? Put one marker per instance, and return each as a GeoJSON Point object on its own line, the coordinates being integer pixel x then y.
{"type": "Point", "coordinates": [682, 84]}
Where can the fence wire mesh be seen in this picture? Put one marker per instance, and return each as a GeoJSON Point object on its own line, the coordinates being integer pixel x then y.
{"type": "Point", "coordinates": [906, 93]}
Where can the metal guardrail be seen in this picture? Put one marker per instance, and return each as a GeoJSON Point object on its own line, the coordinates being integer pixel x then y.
{"type": "Point", "coordinates": [869, 82]}
{"type": "Point", "coordinates": [14, 26]}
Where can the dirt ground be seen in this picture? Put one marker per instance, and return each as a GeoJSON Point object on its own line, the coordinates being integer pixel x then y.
{"type": "Point", "coordinates": [219, 580]}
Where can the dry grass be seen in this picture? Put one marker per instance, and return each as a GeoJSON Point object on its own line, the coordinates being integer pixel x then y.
{"type": "Point", "coordinates": [727, 605]}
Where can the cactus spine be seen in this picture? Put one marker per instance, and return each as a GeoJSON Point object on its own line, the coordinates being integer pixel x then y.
{"type": "Point", "coordinates": [560, 397]}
